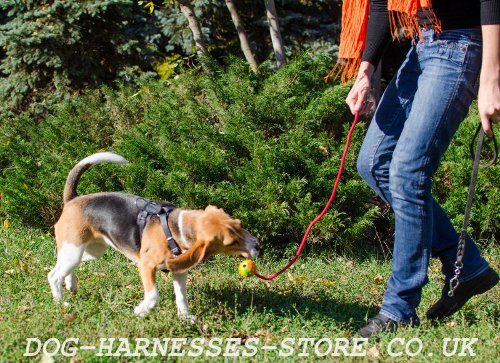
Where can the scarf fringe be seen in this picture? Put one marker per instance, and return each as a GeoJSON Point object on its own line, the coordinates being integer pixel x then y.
{"type": "Point", "coordinates": [402, 15]}
{"type": "Point", "coordinates": [409, 24]}
{"type": "Point", "coordinates": [346, 68]}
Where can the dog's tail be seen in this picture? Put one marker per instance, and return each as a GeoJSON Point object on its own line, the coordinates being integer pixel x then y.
{"type": "Point", "coordinates": [82, 166]}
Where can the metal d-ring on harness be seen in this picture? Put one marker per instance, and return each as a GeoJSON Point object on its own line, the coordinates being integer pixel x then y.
{"type": "Point", "coordinates": [454, 282]}
{"type": "Point", "coordinates": [149, 208]}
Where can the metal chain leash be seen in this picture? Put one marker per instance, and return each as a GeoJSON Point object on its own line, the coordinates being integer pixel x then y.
{"type": "Point", "coordinates": [454, 282]}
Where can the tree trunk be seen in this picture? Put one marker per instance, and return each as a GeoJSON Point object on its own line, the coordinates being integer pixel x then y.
{"type": "Point", "coordinates": [194, 25]}
{"type": "Point", "coordinates": [245, 45]}
{"type": "Point", "coordinates": [274, 28]}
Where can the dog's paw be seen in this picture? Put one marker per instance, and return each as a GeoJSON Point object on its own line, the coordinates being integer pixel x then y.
{"type": "Point", "coordinates": [143, 308]}
{"type": "Point", "coordinates": [187, 316]}
{"type": "Point", "coordinates": [70, 283]}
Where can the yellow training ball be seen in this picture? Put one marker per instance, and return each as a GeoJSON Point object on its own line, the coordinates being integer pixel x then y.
{"type": "Point", "coordinates": [247, 268]}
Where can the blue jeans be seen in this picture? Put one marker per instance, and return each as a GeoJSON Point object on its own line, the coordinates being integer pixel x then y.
{"type": "Point", "coordinates": [413, 125]}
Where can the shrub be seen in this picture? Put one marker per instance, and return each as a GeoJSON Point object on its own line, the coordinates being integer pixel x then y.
{"type": "Point", "coordinates": [264, 147]}
{"type": "Point", "coordinates": [451, 185]}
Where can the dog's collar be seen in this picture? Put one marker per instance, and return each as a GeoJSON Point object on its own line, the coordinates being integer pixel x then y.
{"type": "Point", "coordinates": [149, 208]}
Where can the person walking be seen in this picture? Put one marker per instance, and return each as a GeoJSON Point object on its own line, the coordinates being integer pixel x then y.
{"type": "Point", "coordinates": [455, 47]}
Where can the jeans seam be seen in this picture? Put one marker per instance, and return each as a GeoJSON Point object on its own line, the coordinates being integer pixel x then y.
{"type": "Point", "coordinates": [393, 317]}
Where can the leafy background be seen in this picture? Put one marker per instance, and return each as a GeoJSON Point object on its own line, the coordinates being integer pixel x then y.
{"type": "Point", "coordinates": [265, 147]}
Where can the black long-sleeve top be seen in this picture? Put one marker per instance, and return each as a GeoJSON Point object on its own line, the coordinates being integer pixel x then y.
{"type": "Point", "coordinates": [453, 14]}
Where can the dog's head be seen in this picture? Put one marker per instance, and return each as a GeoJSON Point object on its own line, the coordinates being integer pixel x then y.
{"type": "Point", "coordinates": [216, 232]}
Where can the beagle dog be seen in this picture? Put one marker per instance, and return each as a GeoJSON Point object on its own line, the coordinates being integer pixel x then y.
{"type": "Point", "coordinates": [89, 224]}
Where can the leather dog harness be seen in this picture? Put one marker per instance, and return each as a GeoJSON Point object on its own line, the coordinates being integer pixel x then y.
{"type": "Point", "coordinates": [149, 209]}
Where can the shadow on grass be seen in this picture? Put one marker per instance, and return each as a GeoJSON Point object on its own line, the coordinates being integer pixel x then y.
{"type": "Point", "coordinates": [292, 304]}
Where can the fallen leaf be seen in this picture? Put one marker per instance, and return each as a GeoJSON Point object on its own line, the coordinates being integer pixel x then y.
{"type": "Point", "coordinates": [373, 351]}
{"type": "Point", "coordinates": [76, 359]}
{"type": "Point", "coordinates": [378, 279]}
{"type": "Point", "coordinates": [23, 265]}
{"type": "Point", "coordinates": [23, 308]}
{"type": "Point", "coordinates": [296, 279]}
{"type": "Point", "coordinates": [69, 317]}
{"type": "Point", "coordinates": [325, 282]}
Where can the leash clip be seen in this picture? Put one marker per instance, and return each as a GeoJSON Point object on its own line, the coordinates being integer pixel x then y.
{"type": "Point", "coordinates": [453, 285]}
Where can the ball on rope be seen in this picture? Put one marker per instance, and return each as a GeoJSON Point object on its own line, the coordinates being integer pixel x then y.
{"type": "Point", "coordinates": [247, 268]}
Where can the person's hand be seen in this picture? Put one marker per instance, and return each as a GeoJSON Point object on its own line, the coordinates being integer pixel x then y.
{"type": "Point", "coordinates": [489, 82]}
{"type": "Point", "coordinates": [489, 103]}
{"type": "Point", "coordinates": [360, 98]}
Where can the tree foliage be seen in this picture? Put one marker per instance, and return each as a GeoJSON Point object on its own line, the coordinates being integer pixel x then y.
{"type": "Point", "coordinates": [62, 46]}
{"type": "Point", "coordinates": [52, 49]}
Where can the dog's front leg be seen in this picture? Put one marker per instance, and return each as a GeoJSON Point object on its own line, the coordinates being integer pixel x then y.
{"type": "Point", "coordinates": [147, 272]}
{"type": "Point", "coordinates": [183, 312]}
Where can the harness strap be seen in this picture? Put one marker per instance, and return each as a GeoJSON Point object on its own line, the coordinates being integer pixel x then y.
{"type": "Point", "coordinates": [151, 208]}
{"type": "Point", "coordinates": [174, 247]}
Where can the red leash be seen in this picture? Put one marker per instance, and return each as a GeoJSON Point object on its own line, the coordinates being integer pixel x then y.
{"type": "Point", "coordinates": [323, 212]}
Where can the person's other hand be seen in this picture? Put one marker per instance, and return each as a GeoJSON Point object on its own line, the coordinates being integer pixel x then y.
{"type": "Point", "coordinates": [489, 103]}
{"type": "Point", "coordinates": [360, 98]}
{"type": "Point", "coordinates": [489, 82]}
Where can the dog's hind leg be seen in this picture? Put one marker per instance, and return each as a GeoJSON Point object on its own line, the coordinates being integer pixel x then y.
{"type": "Point", "coordinates": [68, 258]}
{"type": "Point", "coordinates": [92, 251]}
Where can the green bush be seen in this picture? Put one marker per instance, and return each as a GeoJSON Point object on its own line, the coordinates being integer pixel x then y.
{"type": "Point", "coordinates": [55, 48]}
{"type": "Point", "coordinates": [264, 147]}
{"type": "Point", "coordinates": [451, 184]}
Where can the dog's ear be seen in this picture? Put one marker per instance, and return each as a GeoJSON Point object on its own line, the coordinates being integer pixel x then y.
{"type": "Point", "coordinates": [189, 259]}
{"type": "Point", "coordinates": [232, 232]}
{"type": "Point", "coordinates": [212, 208]}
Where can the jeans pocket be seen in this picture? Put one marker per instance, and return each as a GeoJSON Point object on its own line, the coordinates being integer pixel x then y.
{"type": "Point", "coordinates": [455, 44]}
{"type": "Point", "coordinates": [453, 51]}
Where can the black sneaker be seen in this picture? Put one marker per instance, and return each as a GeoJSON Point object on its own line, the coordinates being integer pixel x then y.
{"type": "Point", "coordinates": [378, 324]}
{"type": "Point", "coordinates": [447, 305]}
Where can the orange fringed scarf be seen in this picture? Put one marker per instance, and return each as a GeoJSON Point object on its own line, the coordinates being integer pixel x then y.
{"type": "Point", "coordinates": [354, 24]}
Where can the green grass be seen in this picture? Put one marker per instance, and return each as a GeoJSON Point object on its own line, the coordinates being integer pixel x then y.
{"type": "Point", "coordinates": [326, 295]}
